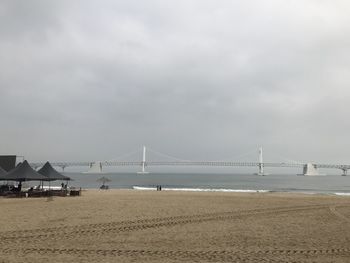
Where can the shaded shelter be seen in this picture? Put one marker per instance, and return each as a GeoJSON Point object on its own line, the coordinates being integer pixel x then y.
{"type": "Point", "coordinates": [24, 172]}
{"type": "Point", "coordinates": [51, 174]}
{"type": "Point", "coordinates": [2, 174]}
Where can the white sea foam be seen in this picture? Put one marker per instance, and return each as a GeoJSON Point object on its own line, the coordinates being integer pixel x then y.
{"type": "Point", "coordinates": [201, 189]}
{"type": "Point", "coordinates": [144, 188]}
{"type": "Point", "coordinates": [343, 194]}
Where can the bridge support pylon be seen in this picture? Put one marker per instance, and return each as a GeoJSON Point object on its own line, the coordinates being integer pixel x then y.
{"type": "Point", "coordinates": [345, 171]}
{"type": "Point", "coordinates": [143, 163]}
{"type": "Point", "coordinates": [63, 167]}
{"type": "Point", "coordinates": [310, 170]}
{"type": "Point", "coordinates": [95, 167]}
{"type": "Point", "coordinates": [261, 163]}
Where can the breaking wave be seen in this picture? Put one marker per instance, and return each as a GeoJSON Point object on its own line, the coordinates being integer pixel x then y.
{"type": "Point", "coordinates": [200, 189]}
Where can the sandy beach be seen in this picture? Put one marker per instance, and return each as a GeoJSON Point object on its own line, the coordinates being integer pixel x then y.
{"type": "Point", "coordinates": [167, 226]}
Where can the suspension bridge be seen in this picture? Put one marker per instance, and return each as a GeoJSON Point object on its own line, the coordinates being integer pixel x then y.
{"type": "Point", "coordinates": [308, 169]}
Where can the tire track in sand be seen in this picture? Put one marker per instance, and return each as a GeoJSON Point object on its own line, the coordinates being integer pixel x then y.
{"type": "Point", "coordinates": [209, 255]}
{"type": "Point", "coordinates": [75, 232]}
{"type": "Point", "coordinates": [334, 211]}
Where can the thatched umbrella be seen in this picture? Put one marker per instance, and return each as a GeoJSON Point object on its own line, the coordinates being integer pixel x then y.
{"type": "Point", "coordinates": [103, 180]}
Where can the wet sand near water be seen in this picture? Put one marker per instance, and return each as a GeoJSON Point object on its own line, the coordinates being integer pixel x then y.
{"type": "Point", "coordinates": [170, 226]}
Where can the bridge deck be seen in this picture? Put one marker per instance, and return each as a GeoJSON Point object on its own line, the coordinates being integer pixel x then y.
{"type": "Point", "coordinates": [194, 163]}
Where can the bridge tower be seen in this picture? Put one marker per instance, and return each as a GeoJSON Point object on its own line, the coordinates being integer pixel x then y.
{"type": "Point", "coordinates": [310, 170]}
{"type": "Point", "coordinates": [95, 167]}
{"type": "Point", "coordinates": [143, 163]}
{"type": "Point", "coordinates": [63, 167]}
{"type": "Point", "coordinates": [261, 162]}
{"type": "Point", "coordinates": [345, 171]}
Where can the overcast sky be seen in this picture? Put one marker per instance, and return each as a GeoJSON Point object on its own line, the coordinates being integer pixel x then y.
{"type": "Point", "coordinates": [200, 80]}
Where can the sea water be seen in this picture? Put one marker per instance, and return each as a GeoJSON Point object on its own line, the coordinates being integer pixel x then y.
{"type": "Point", "coordinates": [335, 184]}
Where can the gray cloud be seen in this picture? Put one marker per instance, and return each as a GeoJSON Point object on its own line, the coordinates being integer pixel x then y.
{"type": "Point", "coordinates": [194, 79]}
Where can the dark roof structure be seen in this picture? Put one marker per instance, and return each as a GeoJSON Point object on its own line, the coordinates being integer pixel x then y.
{"type": "Point", "coordinates": [8, 162]}
{"type": "Point", "coordinates": [23, 172]}
{"type": "Point", "coordinates": [2, 173]}
{"type": "Point", "coordinates": [51, 174]}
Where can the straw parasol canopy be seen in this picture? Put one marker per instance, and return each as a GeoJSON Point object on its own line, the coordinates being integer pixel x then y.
{"type": "Point", "coordinates": [103, 180]}
{"type": "Point", "coordinates": [51, 174]}
{"type": "Point", "coordinates": [23, 172]}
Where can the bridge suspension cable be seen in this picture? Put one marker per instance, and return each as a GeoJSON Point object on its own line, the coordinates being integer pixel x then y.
{"type": "Point", "coordinates": [288, 160]}
{"type": "Point", "coordinates": [166, 155]}
{"type": "Point", "coordinates": [237, 157]}
{"type": "Point", "coordinates": [124, 155]}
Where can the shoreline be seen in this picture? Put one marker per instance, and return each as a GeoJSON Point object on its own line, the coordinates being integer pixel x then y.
{"type": "Point", "coordinates": [222, 190]}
